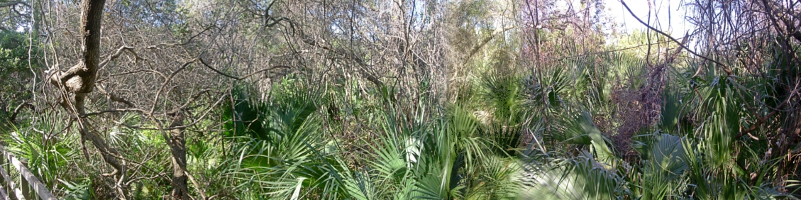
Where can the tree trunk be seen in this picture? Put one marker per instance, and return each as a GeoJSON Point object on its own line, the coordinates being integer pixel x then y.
{"type": "Point", "coordinates": [79, 80]}
{"type": "Point", "coordinates": [178, 148]}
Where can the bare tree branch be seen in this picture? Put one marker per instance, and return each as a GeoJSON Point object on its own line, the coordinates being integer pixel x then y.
{"type": "Point", "coordinates": [16, 111]}
{"type": "Point", "coordinates": [724, 66]}
{"type": "Point", "coordinates": [242, 77]}
{"type": "Point", "coordinates": [115, 97]}
{"type": "Point", "coordinates": [117, 54]}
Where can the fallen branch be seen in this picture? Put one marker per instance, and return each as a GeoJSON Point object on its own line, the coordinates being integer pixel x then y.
{"type": "Point", "coordinates": [16, 111]}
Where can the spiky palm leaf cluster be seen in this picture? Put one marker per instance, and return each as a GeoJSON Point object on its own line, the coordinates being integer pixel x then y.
{"type": "Point", "coordinates": [605, 126]}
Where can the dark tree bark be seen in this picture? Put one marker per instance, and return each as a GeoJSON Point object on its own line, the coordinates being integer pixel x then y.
{"type": "Point", "coordinates": [178, 149]}
{"type": "Point", "coordinates": [79, 80]}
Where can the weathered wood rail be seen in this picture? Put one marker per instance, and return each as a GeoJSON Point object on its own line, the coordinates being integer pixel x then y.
{"type": "Point", "coordinates": [28, 180]}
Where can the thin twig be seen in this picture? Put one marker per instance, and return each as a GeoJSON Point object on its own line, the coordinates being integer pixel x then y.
{"type": "Point", "coordinates": [164, 85]}
{"type": "Point", "coordinates": [725, 67]}
{"type": "Point", "coordinates": [115, 55]}
{"type": "Point", "coordinates": [242, 77]}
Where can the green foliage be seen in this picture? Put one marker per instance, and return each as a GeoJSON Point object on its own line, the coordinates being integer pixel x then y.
{"type": "Point", "coordinates": [76, 191]}
{"type": "Point", "coordinates": [443, 158]}
{"type": "Point", "coordinates": [14, 51]}
{"type": "Point", "coordinates": [508, 137]}
{"type": "Point", "coordinates": [490, 122]}
{"type": "Point", "coordinates": [503, 93]}
{"type": "Point", "coordinates": [15, 54]}
{"type": "Point", "coordinates": [44, 154]}
{"type": "Point", "coordinates": [666, 163]}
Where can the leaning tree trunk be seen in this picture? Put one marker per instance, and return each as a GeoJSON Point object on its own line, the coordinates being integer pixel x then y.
{"type": "Point", "coordinates": [79, 80]}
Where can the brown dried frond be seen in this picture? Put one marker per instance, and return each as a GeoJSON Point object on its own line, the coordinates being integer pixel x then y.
{"type": "Point", "coordinates": [638, 108]}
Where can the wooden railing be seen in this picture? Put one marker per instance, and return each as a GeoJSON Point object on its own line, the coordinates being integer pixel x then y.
{"type": "Point", "coordinates": [27, 182]}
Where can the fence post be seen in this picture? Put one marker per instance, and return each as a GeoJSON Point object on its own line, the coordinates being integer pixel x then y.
{"type": "Point", "coordinates": [3, 190]}
{"type": "Point", "coordinates": [26, 175]}
{"type": "Point", "coordinates": [26, 188]}
{"type": "Point", "coordinates": [12, 187]}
